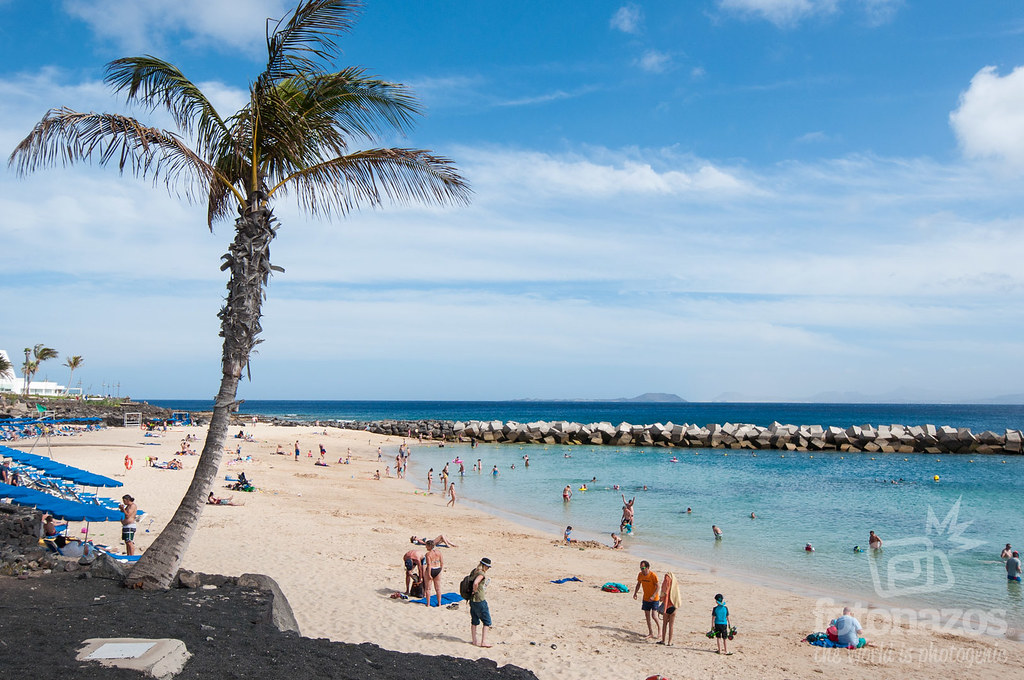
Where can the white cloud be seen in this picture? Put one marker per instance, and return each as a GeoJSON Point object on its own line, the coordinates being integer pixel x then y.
{"type": "Point", "coordinates": [546, 97]}
{"type": "Point", "coordinates": [628, 19]}
{"type": "Point", "coordinates": [879, 12]}
{"type": "Point", "coordinates": [140, 26]}
{"type": "Point", "coordinates": [786, 13]}
{"type": "Point", "coordinates": [989, 121]}
{"type": "Point", "coordinates": [812, 137]}
{"type": "Point", "coordinates": [589, 261]}
{"type": "Point", "coordinates": [572, 175]}
{"type": "Point", "coordinates": [780, 12]}
{"type": "Point", "coordinates": [655, 61]}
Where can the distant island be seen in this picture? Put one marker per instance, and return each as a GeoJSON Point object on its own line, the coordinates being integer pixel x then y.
{"type": "Point", "coordinates": [646, 398]}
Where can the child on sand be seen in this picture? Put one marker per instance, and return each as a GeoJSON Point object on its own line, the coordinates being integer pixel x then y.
{"type": "Point", "coordinates": [720, 623]}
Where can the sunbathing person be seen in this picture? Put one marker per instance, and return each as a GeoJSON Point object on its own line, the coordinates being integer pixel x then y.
{"type": "Point", "coordinates": [213, 500]}
{"type": "Point", "coordinates": [72, 547]}
{"type": "Point", "coordinates": [440, 541]}
{"type": "Point", "coordinates": [174, 464]}
{"type": "Point", "coordinates": [50, 528]}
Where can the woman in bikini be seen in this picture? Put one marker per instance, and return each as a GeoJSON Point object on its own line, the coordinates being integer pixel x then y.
{"type": "Point", "coordinates": [670, 599]}
{"type": "Point", "coordinates": [435, 564]}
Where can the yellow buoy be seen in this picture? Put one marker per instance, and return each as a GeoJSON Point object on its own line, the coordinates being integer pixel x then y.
{"type": "Point", "coordinates": [936, 478]}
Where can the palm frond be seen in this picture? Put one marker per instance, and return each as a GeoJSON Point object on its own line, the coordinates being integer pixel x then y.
{"type": "Point", "coordinates": [308, 37]}
{"type": "Point", "coordinates": [68, 137]}
{"type": "Point", "coordinates": [355, 104]}
{"type": "Point", "coordinates": [304, 122]}
{"type": "Point", "coordinates": [155, 82]}
{"type": "Point", "coordinates": [367, 178]}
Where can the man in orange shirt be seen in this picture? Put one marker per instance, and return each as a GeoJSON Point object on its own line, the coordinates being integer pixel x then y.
{"type": "Point", "coordinates": [649, 581]}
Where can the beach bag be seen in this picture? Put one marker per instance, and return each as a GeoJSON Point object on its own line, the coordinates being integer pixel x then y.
{"type": "Point", "coordinates": [416, 590]}
{"type": "Point", "coordinates": [466, 587]}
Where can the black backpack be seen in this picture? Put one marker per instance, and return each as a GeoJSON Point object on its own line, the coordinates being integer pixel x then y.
{"type": "Point", "coordinates": [466, 586]}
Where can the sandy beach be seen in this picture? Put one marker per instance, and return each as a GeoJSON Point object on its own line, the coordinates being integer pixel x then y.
{"type": "Point", "coordinates": [333, 538]}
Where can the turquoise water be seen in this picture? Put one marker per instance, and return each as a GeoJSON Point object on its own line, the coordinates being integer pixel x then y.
{"type": "Point", "coordinates": [829, 500]}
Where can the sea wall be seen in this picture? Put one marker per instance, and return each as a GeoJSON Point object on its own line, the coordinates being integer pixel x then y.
{"type": "Point", "coordinates": [865, 438]}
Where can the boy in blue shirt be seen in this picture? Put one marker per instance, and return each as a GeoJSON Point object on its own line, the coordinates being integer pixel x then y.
{"type": "Point", "coordinates": [720, 623]}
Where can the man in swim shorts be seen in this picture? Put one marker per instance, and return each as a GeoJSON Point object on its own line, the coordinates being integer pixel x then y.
{"type": "Point", "coordinates": [648, 580]}
{"type": "Point", "coordinates": [414, 562]}
{"type": "Point", "coordinates": [128, 507]}
{"type": "Point", "coordinates": [1013, 567]}
{"type": "Point", "coordinates": [874, 542]}
{"type": "Point", "coordinates": [627, 512]}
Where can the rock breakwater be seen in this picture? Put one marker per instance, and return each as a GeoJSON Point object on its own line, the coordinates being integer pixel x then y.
{"type": "Point", "coordinates": [856, 438]}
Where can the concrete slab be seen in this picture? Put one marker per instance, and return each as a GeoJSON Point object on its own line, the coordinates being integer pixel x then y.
{"type": "Point", "coordinates": [162, 658]}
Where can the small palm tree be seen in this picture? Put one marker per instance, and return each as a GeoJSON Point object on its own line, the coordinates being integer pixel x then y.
{"type": "Point", "coordinates": [35, 356]}
{"type": "Point", "coordinates": [73, 362]}
{"type": "Point", "coordinates": [295, 135]}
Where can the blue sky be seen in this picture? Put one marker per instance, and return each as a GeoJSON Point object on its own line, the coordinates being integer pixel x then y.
{"type": "Point", "coordinates": [762, 199]}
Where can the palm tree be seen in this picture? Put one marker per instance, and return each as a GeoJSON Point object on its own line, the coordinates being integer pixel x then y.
{"type": "Point", "coordinates": [295, 135]}
{"type": "Point", "coordinates": [73, 362]}
{"type": "Point", "coordinates": [39, 354]}
{"type": "Point", "coordinates": [5, 365]}
{"type": "Point", "coordinates": [26, 368]}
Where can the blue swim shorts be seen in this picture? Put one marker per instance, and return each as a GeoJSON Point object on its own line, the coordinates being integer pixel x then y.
{"type": "Point", "coordinates": [650, 606]}
{"type": "Point", "coordinates": [479, 613]}
{"type": "Point", "coordinates": [1013, 578]}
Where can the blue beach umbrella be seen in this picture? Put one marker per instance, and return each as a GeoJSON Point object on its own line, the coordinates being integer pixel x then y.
{"type": "Point", "coordinates": [55, 469]}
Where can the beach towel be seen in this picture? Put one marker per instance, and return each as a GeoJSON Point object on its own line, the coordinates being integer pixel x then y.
{"type": "Point", "coordinates": [828, 644]}
{"type": "Point", "coordinates": [612, 587]}
{"type": "Point", "coordinates": [447, 598]}
{"type": "Point", "coordinates": [567, 579]}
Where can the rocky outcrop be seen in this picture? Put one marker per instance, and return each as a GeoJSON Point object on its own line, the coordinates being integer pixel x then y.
{"type": "Point", "coordinates": [112, 412]}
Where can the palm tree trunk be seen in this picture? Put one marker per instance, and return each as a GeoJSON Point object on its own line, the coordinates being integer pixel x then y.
{"type": "Point", "coordinates": [249, 262]}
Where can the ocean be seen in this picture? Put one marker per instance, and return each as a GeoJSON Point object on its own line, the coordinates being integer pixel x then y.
{"type": "Point", "coordinates": [977, 417]}
{"type": "Point", "coordinates": [941, 538]}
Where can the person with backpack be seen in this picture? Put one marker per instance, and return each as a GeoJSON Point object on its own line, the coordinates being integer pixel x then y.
{"type": "Point", "coordinates": [474, 589]}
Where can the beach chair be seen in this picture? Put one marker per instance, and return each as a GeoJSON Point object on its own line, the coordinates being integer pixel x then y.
{"type": "Point", "coordinates": [127, 559]}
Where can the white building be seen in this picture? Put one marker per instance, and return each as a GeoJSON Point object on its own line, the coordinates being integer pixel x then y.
{"type": "Point", "coordinates": [9, 382]}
